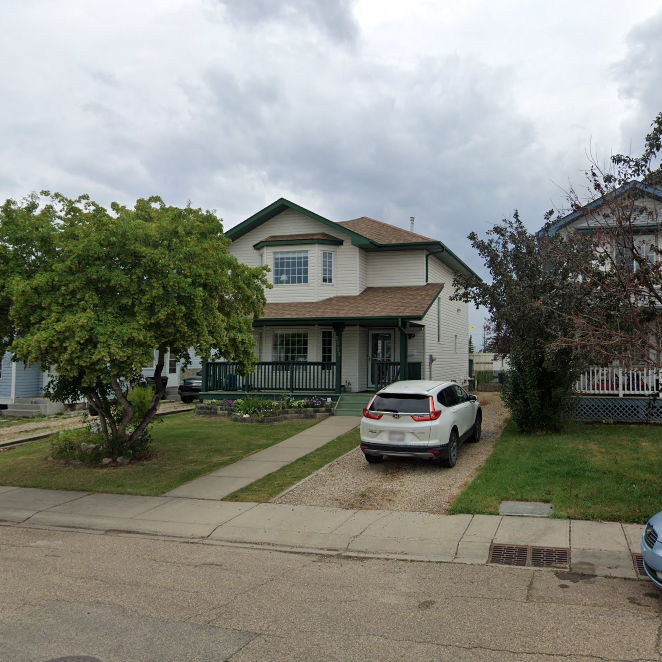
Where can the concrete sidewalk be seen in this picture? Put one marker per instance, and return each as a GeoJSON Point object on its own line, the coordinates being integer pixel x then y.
{"type": "Point", "coordinates": [596, 548]}
{"type": "Point", "coordinates": [219, 484]}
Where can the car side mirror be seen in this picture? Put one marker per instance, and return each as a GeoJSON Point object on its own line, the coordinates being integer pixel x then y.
{"type": "Point", "coordinates": [473, 398]}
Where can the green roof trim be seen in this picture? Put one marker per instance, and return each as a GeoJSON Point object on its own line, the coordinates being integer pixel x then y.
{"type": "Point", "coordinates": [427, 310]}
{"type": "Point", "coordinates": [445, 255]}
{"type": "Point", "coordinates": [279, 207]}
{"type": "Point", "coordinates": [307, 321]}
{"type": "Point", "coordinates": [297, 242]}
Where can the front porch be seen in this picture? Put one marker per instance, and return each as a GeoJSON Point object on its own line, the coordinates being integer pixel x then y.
{"type": "Point", "coordinates": [347, 358]}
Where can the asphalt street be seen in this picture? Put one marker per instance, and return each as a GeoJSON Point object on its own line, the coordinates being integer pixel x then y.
{"type": "Point", "coordinates": [129, 598]}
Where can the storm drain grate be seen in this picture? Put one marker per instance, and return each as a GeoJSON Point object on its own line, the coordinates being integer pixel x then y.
{"type": "Point", "coordinates": [532, 557]}
{"type": "Point", "coordinates": [638, 561]}
{"type": "Point", "coordinates": [550, 557]}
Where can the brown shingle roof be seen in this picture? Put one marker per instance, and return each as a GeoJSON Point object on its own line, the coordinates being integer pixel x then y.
{"type": "Point", "coordinates": [382, 233]}
{"type": "Point", "coordinates": [295, 237]}
{"type": "Point", "coordinates": [409, 301]}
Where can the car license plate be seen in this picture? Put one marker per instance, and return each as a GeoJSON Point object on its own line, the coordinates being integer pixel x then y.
{"type": "Point", "coordinates": [396, 436]}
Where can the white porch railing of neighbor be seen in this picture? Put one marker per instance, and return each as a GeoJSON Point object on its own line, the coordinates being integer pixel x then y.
{"type": "Point", "coordinates": [619, 381]}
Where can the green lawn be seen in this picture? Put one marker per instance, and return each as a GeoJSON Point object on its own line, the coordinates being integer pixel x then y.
{"type": "Point", "coordinates": [592, 472]}
{"type": "Point", "coordinates": [270, 486]}
{"type": "Point", "coordinates": [186, 447]}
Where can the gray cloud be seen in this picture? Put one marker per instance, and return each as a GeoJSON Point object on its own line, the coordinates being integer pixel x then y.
{"type": "Point", "coordinates": [638, 76]}
{"type": "Point", "coordinates": [332, 17]}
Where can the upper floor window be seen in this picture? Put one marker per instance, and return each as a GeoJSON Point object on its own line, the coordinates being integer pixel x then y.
{"type": "Point", "coordinates": [291, 268]}
{"type": "Point", "coordinates": [327, 267]}
{"type": "Point", "coordinates": [645, 247]}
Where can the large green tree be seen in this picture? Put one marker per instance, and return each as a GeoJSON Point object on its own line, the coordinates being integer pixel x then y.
{"type": "Point", "coordinates": [526, 298]}
{"type": "Point", "coordinates": [94, 292]}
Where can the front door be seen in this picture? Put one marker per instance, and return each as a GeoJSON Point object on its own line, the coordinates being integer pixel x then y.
{"type": "Point", "coordinates": [381, 358]}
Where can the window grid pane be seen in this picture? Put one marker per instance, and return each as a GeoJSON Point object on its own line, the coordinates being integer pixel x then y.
{"type": "Point", "coordinates": [291, 346]}
{"type": "Point", "coordinates": [327, 267]}
{"type": "Point", "coordinates": [327, 346]}
{"type": "Point", "coordinates": [291, 268]}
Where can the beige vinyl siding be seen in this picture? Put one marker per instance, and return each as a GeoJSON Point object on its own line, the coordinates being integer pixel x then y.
{"type": "Point", "coordinates": [345, 261]}
{"type": "Point", "coordinates": [363, 271]}
{"type": "Point", "coordinates": [449, 363]}
{"type": "Point", "coordinates": [396, 268]}
{"type": "Point", "coordinates": [416, 348]}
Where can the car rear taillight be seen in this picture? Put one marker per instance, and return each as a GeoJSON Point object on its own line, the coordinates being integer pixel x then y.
{"type": "Point", "coordinates": [432, 416]}
{"type": "Point", "coordinates": [368, 414]}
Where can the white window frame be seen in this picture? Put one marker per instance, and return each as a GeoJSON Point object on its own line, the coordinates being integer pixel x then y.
{"type": "Point", "coordinates": [331, 254]}
{"type": "Point", "coordinates": [275, 346]}
{"type": "Point", "coordinates": [291, 255]}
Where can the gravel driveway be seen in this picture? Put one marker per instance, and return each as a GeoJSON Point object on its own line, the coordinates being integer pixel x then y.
{"type": "Point", "coordinates": [400, 484]}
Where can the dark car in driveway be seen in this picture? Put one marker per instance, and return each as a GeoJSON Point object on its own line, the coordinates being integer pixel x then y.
{"type": "Point", "coordinates": [190, 388]}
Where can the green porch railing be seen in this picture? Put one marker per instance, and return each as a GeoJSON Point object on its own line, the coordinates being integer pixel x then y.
{"type": "Point", "coordinates": [384, 373]}
{"type": "Point", "coordinates": [272, 376]}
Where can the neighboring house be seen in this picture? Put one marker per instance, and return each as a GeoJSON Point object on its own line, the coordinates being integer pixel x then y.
{"type": "Point", "coordinates": [639, 207]}
{"type": "Point", "coordinates": [18, 381]}
{"type": "Point", "coordinates": [355, 305]}
{"type": "Point", "coordinates": [641, 203]}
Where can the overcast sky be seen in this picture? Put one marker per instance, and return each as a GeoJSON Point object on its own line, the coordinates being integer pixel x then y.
{"type": "Point", "coordinates": [452, 111]}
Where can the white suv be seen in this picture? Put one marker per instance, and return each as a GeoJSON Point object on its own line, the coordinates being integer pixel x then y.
{"type": "Point", "coordinates": [420, 418]}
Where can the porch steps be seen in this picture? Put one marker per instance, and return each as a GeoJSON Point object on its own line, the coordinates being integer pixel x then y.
{"type": "Point", "coordinates": [32, 407]}
{"type": "Point", "coordinates": [352, 404]}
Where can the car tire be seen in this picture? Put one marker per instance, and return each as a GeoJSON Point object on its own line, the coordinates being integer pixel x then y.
{"type": "Point", "coordinates": [374, 459]}
{"type": "Point", "coordinates": [453, 444]}
{"type": "Point", "coordinates": [477, 430]}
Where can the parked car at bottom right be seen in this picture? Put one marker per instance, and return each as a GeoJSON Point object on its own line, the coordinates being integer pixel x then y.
{"type": "Point", "coordinates": [651, 549]}
{"type": "Point", "coordinates": [421, 419]}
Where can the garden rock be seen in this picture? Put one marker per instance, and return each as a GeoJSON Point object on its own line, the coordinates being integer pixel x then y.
{"type": "Point", "coordinates": [106, 460]}
{"type": "Point", "coordinates": [122, 460]}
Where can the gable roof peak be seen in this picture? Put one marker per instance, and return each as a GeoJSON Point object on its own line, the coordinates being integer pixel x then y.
{"type": "Point", "coordinates": [384, 233]}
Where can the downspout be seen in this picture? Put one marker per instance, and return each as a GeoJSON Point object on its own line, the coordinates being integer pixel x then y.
{"type": "Point", "coordinates": [404, 349]}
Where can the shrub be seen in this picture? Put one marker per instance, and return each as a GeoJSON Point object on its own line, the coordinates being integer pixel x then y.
{"type": "Point", "coordinates": [81, 445]}
{"type": "Point", "coordinates": [140, 398]}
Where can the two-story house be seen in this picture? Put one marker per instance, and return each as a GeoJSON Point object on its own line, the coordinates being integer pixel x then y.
{"type": "Point", "coordinates": [629, 221]}
{"type": "Point", "coordinates": [355, 305]}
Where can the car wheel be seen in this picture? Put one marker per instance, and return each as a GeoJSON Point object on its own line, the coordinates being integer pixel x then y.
{"type": "Point", "coordinates": [478, 429]}
{"type": "Point", "coordinates": [451, 460]}
{"type": "Point", "coordinates": [374, 459]}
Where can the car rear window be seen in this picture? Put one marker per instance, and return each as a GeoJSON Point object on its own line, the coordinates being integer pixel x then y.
{"type": "Point", "coordinates": [401, 403]}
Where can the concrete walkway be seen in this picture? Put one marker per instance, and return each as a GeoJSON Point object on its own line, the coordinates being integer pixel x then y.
{"type": "Point", "coordinates": [195, 512]}
{"type": "Point", "coordinates": [596, 548]}
{"type": "Point", "coordinates": [219, 484]}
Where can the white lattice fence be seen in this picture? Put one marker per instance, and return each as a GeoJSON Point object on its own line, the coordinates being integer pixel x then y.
{"type": "Point", "coordinates": [625, 410]}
